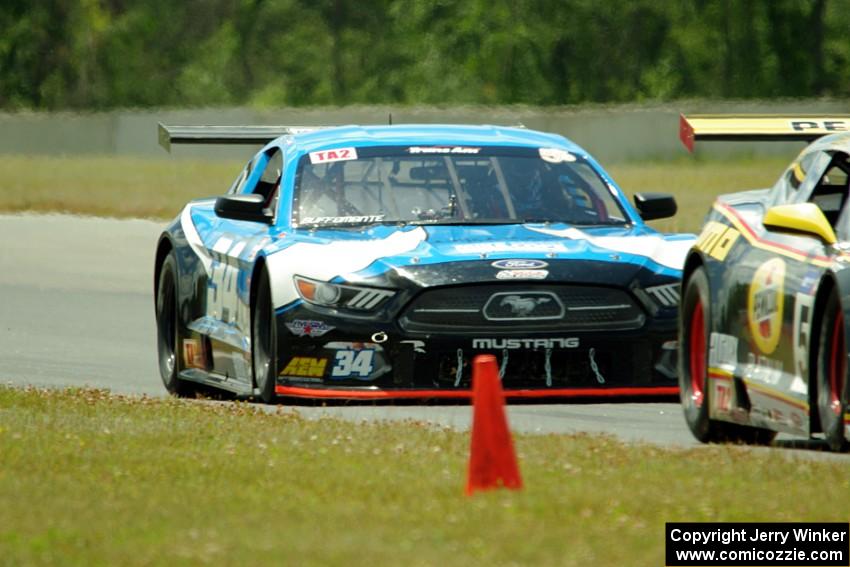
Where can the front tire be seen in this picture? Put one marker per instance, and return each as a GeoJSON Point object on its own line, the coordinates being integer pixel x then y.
{"type": "Point", "coordinates": [832, 374]}
{"type": "Point", "coordinates": [694, 325]}
{"type": "Point", "coordinates": [264, 341]}
{"type": "Point", "coordinates": [168, 330]}
{"type": "Point", "coordinates": [694, 388]}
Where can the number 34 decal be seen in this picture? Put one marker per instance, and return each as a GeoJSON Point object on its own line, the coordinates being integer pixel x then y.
{"type": "Point", "coordinates": [353, 363]}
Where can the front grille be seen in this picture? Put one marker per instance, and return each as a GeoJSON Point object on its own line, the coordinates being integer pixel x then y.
{"type": "Point", "coordinates": [515, 308]}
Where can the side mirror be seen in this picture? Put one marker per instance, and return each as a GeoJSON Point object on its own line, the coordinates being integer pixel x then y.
{"type": "Point", "coordinates": [250, 207]}
{"type": "Point", "coordinates": [806, 218]}
{"type": "Point", "coordinates": [653, 206]}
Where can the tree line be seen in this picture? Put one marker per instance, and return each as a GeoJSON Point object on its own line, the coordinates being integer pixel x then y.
{"type": "Point", "coordinates": [100, 54]}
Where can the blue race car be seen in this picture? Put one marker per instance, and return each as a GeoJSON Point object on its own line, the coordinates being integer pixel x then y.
{"type": "Point", "coordinates": [376, 262]}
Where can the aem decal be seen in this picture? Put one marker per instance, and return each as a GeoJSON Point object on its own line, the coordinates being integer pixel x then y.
{"type": "Point", "coordinates": [305, 366]}
{"type": "Point", "coordinates": [764, 304]}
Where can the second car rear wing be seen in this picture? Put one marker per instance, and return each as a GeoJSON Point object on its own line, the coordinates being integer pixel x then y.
{"type": "Point", "coordinates": [225, 134]}
{"type": "Point", "coordinates": [759, 127]}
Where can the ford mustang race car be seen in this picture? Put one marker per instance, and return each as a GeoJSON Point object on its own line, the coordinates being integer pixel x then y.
{"type": "Point", "coordinates": [376, 262]}
{"type": "Point", "coordinates": [766, 292]}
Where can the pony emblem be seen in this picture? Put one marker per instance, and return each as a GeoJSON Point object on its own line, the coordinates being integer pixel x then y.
{"type": "Point", "coordinates": [523, 306]}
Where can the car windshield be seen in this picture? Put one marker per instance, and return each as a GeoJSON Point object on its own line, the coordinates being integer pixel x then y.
{"type": "Point", "coordinates": [451, 185]}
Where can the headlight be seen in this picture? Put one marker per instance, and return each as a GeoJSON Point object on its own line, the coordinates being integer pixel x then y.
{"type": "Point", "coordinates": [329, 294]}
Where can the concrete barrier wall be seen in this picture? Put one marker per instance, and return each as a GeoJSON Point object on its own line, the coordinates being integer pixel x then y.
{"type": "Point", "coordinates": [611, 133]}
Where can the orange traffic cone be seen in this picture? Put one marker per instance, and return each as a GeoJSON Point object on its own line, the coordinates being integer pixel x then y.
{"type": "Point", "coordinates": [492, 461]}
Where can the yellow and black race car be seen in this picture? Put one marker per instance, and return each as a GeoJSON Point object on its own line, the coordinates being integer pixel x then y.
{"type": "Point", "coordinates": [766, 292]}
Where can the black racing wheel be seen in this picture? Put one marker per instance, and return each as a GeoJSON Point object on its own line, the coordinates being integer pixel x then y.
{"type": "Point", "coordinates": [264, 341]}
{"type": "Point", "coordinates": [694, 389]}
{"type": "Point", "coordinates": [168, 331]}
{"type": "Point", "coordinates": [832, 374]}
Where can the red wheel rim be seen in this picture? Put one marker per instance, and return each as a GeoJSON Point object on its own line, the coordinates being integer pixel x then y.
{"type": "Point", "coordinates": [837, 364]}
{"type": "Point", "coordinates": [697, 358]}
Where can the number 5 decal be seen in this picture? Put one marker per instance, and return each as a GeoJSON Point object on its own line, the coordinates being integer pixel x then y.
{"type": "Point", "coordinates": [353, 362]}
{"type": "Point", "coordinates": [803, 307]}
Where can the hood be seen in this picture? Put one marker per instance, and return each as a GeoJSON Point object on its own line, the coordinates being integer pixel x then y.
{"type": "Point", "coordinates": [358, 255]}
{"type": "Point", "coordinates": [443, 255]}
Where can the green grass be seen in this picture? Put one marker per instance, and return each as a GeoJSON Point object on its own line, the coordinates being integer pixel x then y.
{"type": "Point", "coordinates": [696, 183]}
{"type": "Point", "coordinates": [128, 187]}
{"type": "Point", "coordinates": [106, 186]}
{"type": "Point", "coordinates": [89, 478]}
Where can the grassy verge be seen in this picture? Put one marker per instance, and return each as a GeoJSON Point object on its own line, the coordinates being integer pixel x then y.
{"type": "Point", "coordinates": [87, 478]}
{"type": "Point", "coordinates": [106, 186]}
{"type": "Point", "coordinates": [127, 187]}
{"type": "Point", "coordinates": [696, 183]}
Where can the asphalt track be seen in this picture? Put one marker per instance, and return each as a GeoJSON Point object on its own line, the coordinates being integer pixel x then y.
{"type": "Point", "coordinates": [76, 309]}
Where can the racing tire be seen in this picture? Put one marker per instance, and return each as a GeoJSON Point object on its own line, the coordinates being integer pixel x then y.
{"type": "Point", "coordinates": [694, 333]}
{"type": "Point", "coordinates": [693, 357]}
{"type": "Point", "coordinates": [264, 341]}
{"type": "Point", "coordinates": [168, 332]}
{"type": "Point", "coordinates": [832, 374]}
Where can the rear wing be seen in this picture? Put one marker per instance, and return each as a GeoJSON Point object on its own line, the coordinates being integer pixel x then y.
{"type": "Point", "coordinates": [225, 134]}
{"type": "Point", "coordinates": [759, 127]}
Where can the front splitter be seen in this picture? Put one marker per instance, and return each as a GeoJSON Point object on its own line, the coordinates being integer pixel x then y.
{"type": "Point", "coordinates": [375, 394]}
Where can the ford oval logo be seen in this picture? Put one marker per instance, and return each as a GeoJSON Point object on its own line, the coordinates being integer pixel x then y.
{"type": "Point", "coordinates": [519, 264]}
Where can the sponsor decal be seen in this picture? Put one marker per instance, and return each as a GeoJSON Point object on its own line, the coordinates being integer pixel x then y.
{"type": "Point", "coordinates": [443, 150]}
{"type": "Point", "coordinates": [339, 154]}
{"type": "Point", "coordinates": [193, 354]}
{"type": "Point", "coordinates": [555, 155]}
{"type": "Point", "coordinates": [723, 350]}
{"type": "Point", "coordinates": [833, 125]}
{"type": "Point", "coordinates": [342, 220]}
{"type": "Point", "coordinates": [716, 239]}
{"type": "Point", "coordinates": [804, 306]}
{"type": "Point", "coordinates": [764, 304]}
{"type": "Point", "coordinates": [513, 344]}
{"type": "Point", "coordinates": [305, 366]}
{"type": "Point", "coordinates": [308, 328]}
{"type": "Point", "coordinates": [519, 264]}
{"type": "Point", "coordinates": [763, 369]}
{"type": "Point", "coordinates": [722, 397]}
{"type": "Point", "coordinates": [522, 274]}
{"type": "Point", "coordinates": [353, 363]}
{"type": "Point", "coordinates": [528, 305]}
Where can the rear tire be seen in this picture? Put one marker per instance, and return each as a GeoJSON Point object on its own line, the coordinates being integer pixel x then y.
{"type": "Point", "coordinates": [168, 330]}
{"type": "Point", "coordinates": [264, 341]}
{"type": "Point", "coordinates": [832, 374]}
{"type": "Point", "coordinates": [694, 333]}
